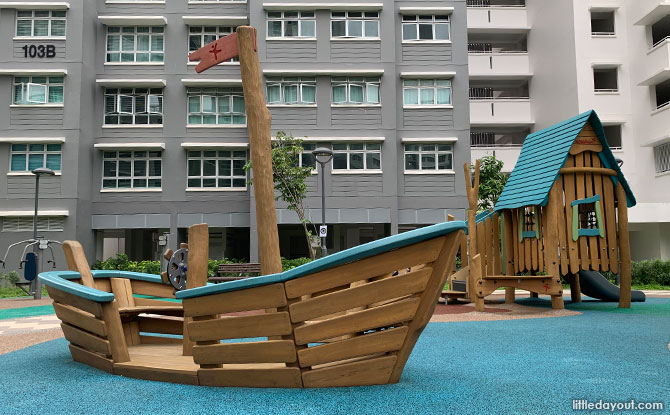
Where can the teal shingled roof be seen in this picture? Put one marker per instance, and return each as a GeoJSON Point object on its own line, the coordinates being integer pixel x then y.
{"type": "Point", "coordinates": [543, 154]}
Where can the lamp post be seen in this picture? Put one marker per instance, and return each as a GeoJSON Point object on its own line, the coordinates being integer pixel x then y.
{"type": "Point", "coordinates": [38, 172]}
{"type": "Point", "coordinates": [323, 155]}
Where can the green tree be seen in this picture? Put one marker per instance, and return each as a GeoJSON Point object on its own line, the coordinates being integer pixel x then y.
{"type": "Point", "coordinates": [289, 179]}
{"type": "Point", "coordinates": [491, 181]}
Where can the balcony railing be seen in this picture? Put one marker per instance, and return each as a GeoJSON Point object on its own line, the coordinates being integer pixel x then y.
{"type": "Point", "coordinates": [660, 41]}
{"type": "Point", "coordinates": [489, 3]}
{"type": "Point", "coordinates": [603, 34]}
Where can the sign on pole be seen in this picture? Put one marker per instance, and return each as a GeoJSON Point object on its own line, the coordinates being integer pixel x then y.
{"type": "Point", "coordinates": [323, 231]}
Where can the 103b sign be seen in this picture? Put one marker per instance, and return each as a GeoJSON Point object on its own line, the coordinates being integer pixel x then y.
{"type": "Point", "coordinates": [39, 51]}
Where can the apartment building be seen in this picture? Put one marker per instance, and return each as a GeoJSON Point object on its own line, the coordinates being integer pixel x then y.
{"type": "Point", "coordinates": [534, 63]}
{"type": "Point", "coordinates": [143, 147]}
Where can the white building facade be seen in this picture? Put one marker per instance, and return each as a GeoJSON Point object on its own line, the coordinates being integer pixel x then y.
{"type": "Point", "coordinates": [535, 63]}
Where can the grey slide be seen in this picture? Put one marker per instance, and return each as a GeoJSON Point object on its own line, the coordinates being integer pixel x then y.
{"type": "Point", "coordinates": [595, 285]}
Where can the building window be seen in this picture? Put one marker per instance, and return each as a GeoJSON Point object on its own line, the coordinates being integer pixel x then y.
{"type": "Point", "coordinates": [131, 170]}
{"type": "Point", "coordinates": [429, 157]}
{"type": "Point", "coordinates": [133, 106]}
{"type": "Point", "coordinates": [357, 156]}
{"type": "Point", "coordinates": [209, 1]}
{"type": "Point", "coordinates": [587, 219]}
{"type": "Point", "coordinates": [425, 27]}
{"type": "Point", "coordinates": [426, 92]}
{"type": "Point", "coordinates": [528, 223]}
{"type": "Point", "coordinates": [662, 158]}
{"type": "Point", "coordinates": [217, 169]}
{"type": "Point", "coordinates": [135, 43]}
{"type": "Point", "coordinates": [36, 90]}
{"type": "Point", "coordinates": [199, 36]}
{"type": "Point", "coordinates": [291, 24]}
{"type": "Point", "coordinates": [25, 223]}
{"type": "Point", "coordinates": [613, 136]}
{"type": "Point", "coordinates": [354, 24]}
{"type": "Point", "coordinates": [605, 80]}
{"type": "Point", "coordinates": [602, 23]}
{"type": "Point", "coordinates": [27, 157]}
{"type": "Point", "coordinates": [307, 159]}
{"type": "Point", "coordinates": [40, 23]}
{"type": "Point", "coordinates": [662, 93]}
{"type": "Point", "coordinates": [348, 91]}
{"type": "Point", "coordinates": [291, 91]}
{"type": "Point", "coordinates": [209, 106]}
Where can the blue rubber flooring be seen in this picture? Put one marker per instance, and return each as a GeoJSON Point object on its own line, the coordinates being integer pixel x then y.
{"type": "Point", "coordinates": [535, 366]}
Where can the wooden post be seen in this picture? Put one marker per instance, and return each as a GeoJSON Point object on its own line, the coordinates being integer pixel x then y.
{"type": "Point", "coordinates": [551, 241]}
{"type": "Point", "coordinates": [115, 336]}
{"type": "Point", "coordinates": [575, 289]}
{"type": "Point", "coordinates": [473, 197]}
{"type": "Point", "coordinates": [508, 229]}
{"type": "Point", "coordinates": [198, 257]}
{"type": "Point", "coordinates": [475, 276]}
{"type": "Point", "coordinates": [624, 247]}
{"type": "Point", "coordinates": [259, 121]}
{"type": "Point", "coordinates": [451, 218]}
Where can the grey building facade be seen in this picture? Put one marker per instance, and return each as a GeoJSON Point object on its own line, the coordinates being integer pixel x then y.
{"type": "Point", "coordinates": [143, 146]}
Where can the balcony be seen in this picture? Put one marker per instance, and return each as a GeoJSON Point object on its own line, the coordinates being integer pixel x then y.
{"type": "Point", "coordinates": [502, 65]}
{"type": "Point", "coordinates": [497, 16]}
{"type": "Point", "coordinates": [657, 63]}
{"type": "Point", "coordinates": [500, 112]}
{"type": "Point", "coordinates": [508, 155]}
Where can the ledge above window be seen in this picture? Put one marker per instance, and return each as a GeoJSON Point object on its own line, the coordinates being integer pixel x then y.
{"type": "Point", "coordinates": [216, 189]}
{"type": "Point", "coordinates": [214, 145]}
{"type": "Point", "coordinates": [31, 213]}
{"type": "Point", "coordinates": [28, 72]}
{"type": "Point", "coordinates": [137, 83]}
{"type": "Point", "coordinates": [28, 173]}
{"type": "Point", "coordinates": [308, 72]}
{"type": "Point", "coordinates": [36, 105]}
{"type": "Point", "coordinates": [133, 146]}
{"type": "Point", "coordinates": [429, 139]}
{"type": "Point", "coordinates": [32, 140]}
{"type": "Point", "coordinates": [428, 75]}
{"type": "Point", "coordinates": [425, 10]}
{"type": "Point", "coordinates": [426, 107]}
{"type": "Point", "coordinates": [336, 172]}
{"type": "Point", "coordinates": [35, 5]}
{"type": "Point", "coordinates": [430, 172]}
{"type": "Point", "coordinates": [215, 20]}
{"type": "Point", "coordinates": [133, 190]}
{"type": "Point", "coordinates": [210, 82]}
{"type": "Point", "coordinates": [341, 139]}
{"type": "Point", "coordinates": [324, 6]}
{"type": "Point", "coordinates": [133, 20]}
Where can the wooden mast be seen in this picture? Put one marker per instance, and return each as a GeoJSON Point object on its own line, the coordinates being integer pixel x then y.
{"type": "Point", "coordinates": [258, 122]}
{"type": "Point", "coordinates": [624, 247]}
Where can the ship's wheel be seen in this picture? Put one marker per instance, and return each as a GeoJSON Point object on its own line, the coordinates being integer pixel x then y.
{"type": "Point", "coordinates": [177, 267]}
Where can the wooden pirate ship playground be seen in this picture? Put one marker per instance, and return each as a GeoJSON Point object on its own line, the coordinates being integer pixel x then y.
{"type": "Point", "coordinates": [351, 318]}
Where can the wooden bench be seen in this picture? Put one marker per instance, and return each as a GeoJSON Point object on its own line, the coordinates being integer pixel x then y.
{"type": "Point", "coordinates": [239, 269]}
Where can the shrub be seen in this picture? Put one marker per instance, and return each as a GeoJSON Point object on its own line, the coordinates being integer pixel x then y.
{"type": "Point", "coordinates": [647, 272]}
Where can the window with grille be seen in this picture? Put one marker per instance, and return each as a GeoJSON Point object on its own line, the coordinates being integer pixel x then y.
{"type": "Point", "coordinates": [425, 27]}
{"type": "Point", "coordinates": [355, 91]}
{"type": "Point", "coordinates": [131, 170]}
{"type": "Point", "coordinates": [428, 157]}
{"type": "Point", "coordinates": [291, 24]}
{"type": "Point", "coordinates": [211, 106]}
{"type": "Point", "coordinates": [354, 24]}
{"type": "Point", "coordinates": [133, 106]}
{"type": "Point", "coordinates": [40, 23]}
{"type": "Point", "coordinates": [662, 158]}
{"type": "Point", "coordinates": [25, 224]}
{"type": "Point", "coordinates": [528, 222]}
{"type": "Point", "coordinates": [199, 36]}
{"type": "Point", "coordinates": [27, 157]}
{"type": "Point", "coordinates": [135, 44]}
{"type": "Point", "coordinates": [357, 156]}
{"type": "Point", "coordinates": [212, 169]}
{"type": "Point", "coordinates": [587, 218]}
{"type": "Point", "coordinates": [37, 90]}
{"type": "Point", "coordinates": [291, 90]}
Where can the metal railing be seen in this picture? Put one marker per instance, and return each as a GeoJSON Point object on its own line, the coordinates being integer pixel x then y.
{"type": "Point", "coordinates": [663, 105]}
{"type": "Point", "coordinates": [488, 3]}
{"type": "Point", "coordinates": [488, 139]}
{"type": "Point", "coordinates": [603, 34]}
{"type": "Point", "coordinates": [605, 90]}
{"type": "Point", "coordinates": [662, 158]}
{"type": "Point", "coordinates": [660, 41]}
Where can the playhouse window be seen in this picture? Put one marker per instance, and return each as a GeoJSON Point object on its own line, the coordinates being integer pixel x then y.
{"type": "Point", "coordinates": [528, 221]}
{"type": "Point", "coordinates": [587, 218]}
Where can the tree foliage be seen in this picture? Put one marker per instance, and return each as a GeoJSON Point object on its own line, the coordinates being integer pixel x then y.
{"type": "Point", "coordinates": [491, 181]}
{"type": "Point", "coordinates": [289, 179]}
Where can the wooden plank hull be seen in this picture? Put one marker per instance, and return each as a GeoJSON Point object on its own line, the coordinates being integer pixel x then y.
{"type": "Point", "coordinates": [351, 325]}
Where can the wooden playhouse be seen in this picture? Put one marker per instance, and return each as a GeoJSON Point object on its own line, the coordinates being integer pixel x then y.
{"type": "Point", "coordinates": [563, 209]}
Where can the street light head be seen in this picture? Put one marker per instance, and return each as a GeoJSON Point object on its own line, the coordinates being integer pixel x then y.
{"type": "Point", "coordinates": [322, 155]}
{"type": "Point", "coordinates": [43, 171]}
